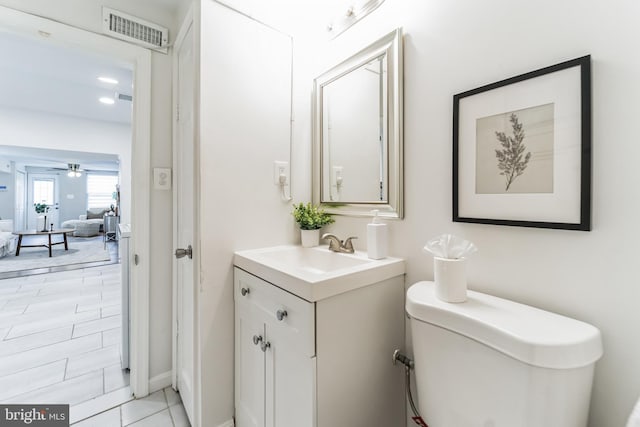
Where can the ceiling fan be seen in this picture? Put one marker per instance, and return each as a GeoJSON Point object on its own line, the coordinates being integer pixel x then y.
{"type": "Point", "coordinates": [73, 170]}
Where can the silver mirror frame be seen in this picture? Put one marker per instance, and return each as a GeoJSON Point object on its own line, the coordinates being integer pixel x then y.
{"type": "Point", "coordinates": [391, 45]}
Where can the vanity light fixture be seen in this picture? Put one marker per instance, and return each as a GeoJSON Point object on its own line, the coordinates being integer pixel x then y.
{"type": "Point", "coordinates": [353, 14]}
{"type": "Point", "coordinates": [107, 100]}
{"type": "Point", "coordinates": [108, 80]}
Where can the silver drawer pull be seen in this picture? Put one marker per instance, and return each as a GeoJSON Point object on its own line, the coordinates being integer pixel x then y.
{"type": "Point", "coordinates": [244, 291]}
{"type": "Point", "coordinates": [281, 314]}
{"type": "Point", "coordinates": [257, 339]}
{"type": "Point", "coordinates": [265, 345]}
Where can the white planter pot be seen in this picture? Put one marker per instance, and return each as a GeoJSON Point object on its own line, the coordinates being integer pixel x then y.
{"type": "Point", "coordinates": [310, 238]}
{"type": "Point", "coordinates": [451, 279]}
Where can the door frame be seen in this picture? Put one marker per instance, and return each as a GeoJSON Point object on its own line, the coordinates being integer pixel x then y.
{"type": "Point", "coordinates": [20, 219]}
{"type": "Point", "coordinates": [188, 23]}
{"type": "Point", "coordinates": [140, 61]}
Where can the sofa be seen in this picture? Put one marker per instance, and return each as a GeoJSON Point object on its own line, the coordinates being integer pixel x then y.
{"type": "Point", "coordinates": [7, 238]}
{"type": "Point", "coordinates": [89, 224]}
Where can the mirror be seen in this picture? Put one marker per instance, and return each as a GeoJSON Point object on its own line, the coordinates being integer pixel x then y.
{"type": "Point", "coordinates": [357, 164]}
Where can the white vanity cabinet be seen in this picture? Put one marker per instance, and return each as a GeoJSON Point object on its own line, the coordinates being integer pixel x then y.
{"type": "Point", "coordinates": [323, 363]}
{"type": "Point", "coordinates": [274, 355]}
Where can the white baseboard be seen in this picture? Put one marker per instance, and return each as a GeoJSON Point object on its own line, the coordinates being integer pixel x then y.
{"type": "Point", "coordinates": [160, 381]}
{"type": "Point", "coordinates": [229, 423]}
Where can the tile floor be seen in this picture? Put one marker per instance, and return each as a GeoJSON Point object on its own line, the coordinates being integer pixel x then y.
{"type": "Point", "coordinates": [160, 409]}
{"type": "Point", "coordinates": [60, 336]}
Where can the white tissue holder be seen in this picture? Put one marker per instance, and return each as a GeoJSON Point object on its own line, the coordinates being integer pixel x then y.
{"type": "Point", "coordinates": [450, 277]}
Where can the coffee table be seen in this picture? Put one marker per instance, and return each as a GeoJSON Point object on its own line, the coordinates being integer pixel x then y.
{"type": "Point", "coordinates": [63, 231]}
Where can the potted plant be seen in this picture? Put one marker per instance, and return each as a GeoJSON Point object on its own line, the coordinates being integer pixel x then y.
{"type": "Point", "coordinates": [310, 219]}
{"type": "Point", "coordinates": [42, 208]}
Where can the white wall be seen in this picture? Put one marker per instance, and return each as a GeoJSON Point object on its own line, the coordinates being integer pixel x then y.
{"type": "Point", "coordinates": [451, 47]}
{"type": "Point", "coordinates": [244, 127]}
{"type": "Point", "coordinates": [87, 14]}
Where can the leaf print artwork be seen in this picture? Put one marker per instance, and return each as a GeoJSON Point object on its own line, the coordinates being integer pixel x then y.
{"type": "Point", "coordinates": [512, 160]}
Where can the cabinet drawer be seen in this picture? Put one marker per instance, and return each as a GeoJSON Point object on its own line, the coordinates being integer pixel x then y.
{"type": "Point", "coordinates": [288, 318]}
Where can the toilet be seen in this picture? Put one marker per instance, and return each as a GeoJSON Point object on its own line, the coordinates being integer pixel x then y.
{"type": "Point", "coordinates": [491, 362]}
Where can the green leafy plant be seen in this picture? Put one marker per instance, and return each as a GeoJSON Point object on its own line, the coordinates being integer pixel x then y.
{"type": "Point", "coordinates": [41, 208]}
{"type": "Point", "coordinates": [310, 217]}
{"type": "Point", "coordinates": [510, 159]}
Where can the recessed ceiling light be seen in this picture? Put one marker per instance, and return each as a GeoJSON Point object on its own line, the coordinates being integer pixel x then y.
{"type": "Point", "coordinates": [108, 80]}
{"type": "Point", "coordinates": [107, 100]}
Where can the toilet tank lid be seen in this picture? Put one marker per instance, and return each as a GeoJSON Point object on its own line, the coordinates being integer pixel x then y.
{"type": "Point", "coordinates": [531, 335]}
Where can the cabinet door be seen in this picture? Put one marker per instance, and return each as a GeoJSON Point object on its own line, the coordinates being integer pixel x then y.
{"type": "Point", "coordinates": [249, 367]}
{"type": "Point", "coordinates": [280, 368]}
{"type": "Point", "coordinates": [290, 382]}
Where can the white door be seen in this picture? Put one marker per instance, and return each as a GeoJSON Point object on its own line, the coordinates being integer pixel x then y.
{"type": "Point", "coordinates": [186, 286]}
{"type": "Point", "coordinates": [42, 189]}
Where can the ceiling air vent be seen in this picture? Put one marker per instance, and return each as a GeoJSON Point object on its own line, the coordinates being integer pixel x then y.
{"type": "Point", "coordinates": [135, 30]}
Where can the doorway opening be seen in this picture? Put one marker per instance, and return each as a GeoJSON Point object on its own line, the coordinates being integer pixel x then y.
{"type": "Point", "coordinates": [85, 324]}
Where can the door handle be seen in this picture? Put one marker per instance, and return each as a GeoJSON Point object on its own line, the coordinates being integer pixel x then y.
{"type": "Point", "coordinates": [181, 253]}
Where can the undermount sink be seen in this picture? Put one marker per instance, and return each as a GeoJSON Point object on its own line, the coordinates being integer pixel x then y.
{"type": "Point", "coordinates": [316, 273]}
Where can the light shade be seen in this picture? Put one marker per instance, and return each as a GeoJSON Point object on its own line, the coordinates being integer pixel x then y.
{"type": "Point", "coordinates": [74, 170]}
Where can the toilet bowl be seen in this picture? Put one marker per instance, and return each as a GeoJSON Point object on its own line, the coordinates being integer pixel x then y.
{"type": "Point", "coordinates": [490, 362]}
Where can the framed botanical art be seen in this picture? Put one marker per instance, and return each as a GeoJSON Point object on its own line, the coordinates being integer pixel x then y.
{"type": "Point", "coordinates": [522, 150]}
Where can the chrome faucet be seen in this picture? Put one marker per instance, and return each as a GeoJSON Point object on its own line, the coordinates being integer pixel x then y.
{"type": "Point", "coordinates": [337, 245]}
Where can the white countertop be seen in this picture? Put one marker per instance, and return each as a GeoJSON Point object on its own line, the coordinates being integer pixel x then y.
{"type": "Point", "coordinates": [316, 273]}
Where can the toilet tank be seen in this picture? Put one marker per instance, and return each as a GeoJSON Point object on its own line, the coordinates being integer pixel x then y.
{"type": "Point", "coordinates": [491, 362]}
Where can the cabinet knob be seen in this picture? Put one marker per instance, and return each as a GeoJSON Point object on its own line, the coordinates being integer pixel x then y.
{"type": "Point", "coordinates": [281, 314]}
{"type": "Point", "coordinates": [257, 339]}
{"type": "Point", "coordinates": [181, 253]}
{"type": "Point", "coordinates": [244, 291]}
{"type": "Point", "coordinates": [265, 345]}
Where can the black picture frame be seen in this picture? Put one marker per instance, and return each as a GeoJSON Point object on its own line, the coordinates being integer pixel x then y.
{"type": "Point", "coordinates": [490, 137]}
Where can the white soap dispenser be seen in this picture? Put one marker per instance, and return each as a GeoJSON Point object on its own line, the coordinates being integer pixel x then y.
{"type": "Point", "coordinates": [376, 238]}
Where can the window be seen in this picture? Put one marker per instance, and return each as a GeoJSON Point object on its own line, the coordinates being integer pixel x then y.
{"type": "Point", "coordinates": [43, 191]}
{"type": "Point", "coordinates": [100, 189]}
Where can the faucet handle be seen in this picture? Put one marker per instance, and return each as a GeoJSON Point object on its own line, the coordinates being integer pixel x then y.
{"type": "Point", "coordinates": [348, 244]}
{"type": "Point", "coordinates": [334, 242]}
